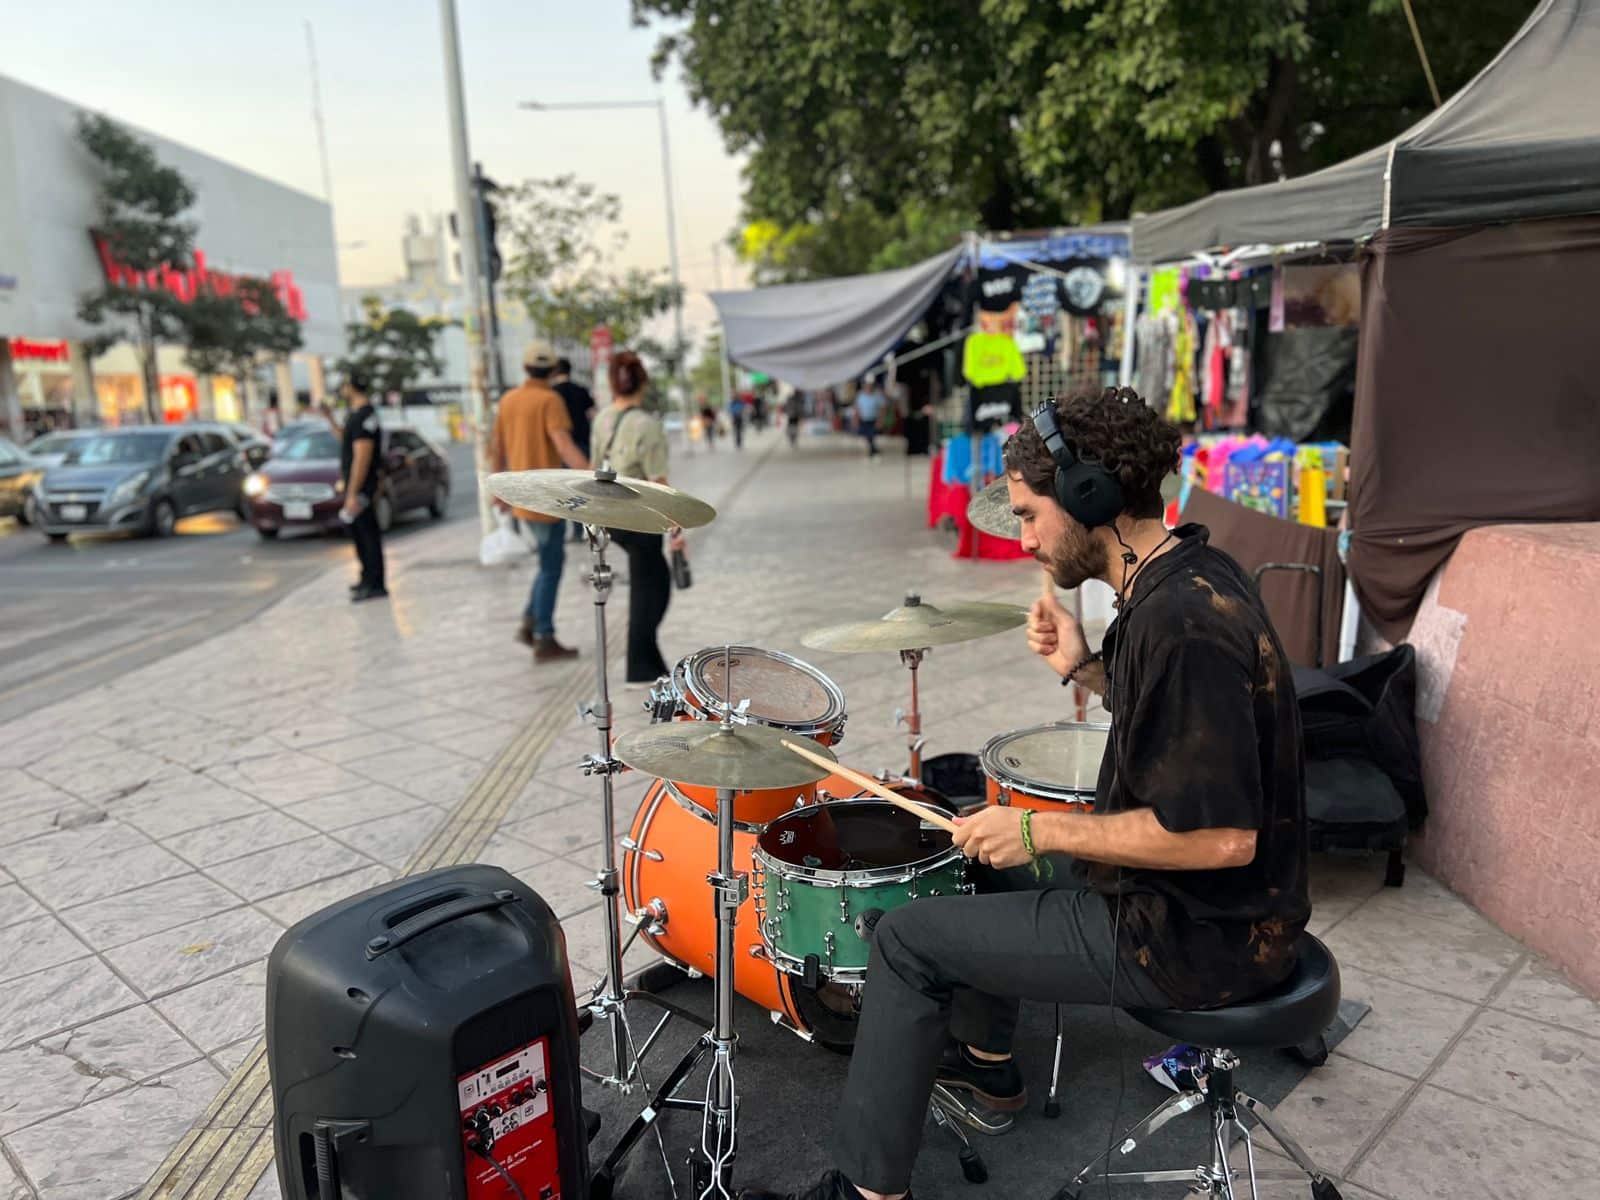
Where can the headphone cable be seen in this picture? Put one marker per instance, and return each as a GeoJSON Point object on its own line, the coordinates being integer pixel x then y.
{"type": "Point", "coordinates": [483, 1152]}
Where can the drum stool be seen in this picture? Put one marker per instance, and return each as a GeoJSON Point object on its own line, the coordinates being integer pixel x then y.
{"type": "Point", "coordinates": [1295, 1012]}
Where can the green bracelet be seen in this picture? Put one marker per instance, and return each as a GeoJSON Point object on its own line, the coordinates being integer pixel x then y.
{"type": "Point", "coordinates": [1042, 867]}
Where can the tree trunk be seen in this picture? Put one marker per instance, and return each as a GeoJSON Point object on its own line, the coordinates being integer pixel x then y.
{"type": "Point", "coordinates": [1213, 164]}
{"type": "Point", "coordinates": [1272, 120]}
{"type": "Point", "coordinates": [147, 361]}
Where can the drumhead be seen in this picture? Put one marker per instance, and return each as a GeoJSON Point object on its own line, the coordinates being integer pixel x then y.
{"type": "Point", "coordinates": [782, 691]}
{"type": "Point", "coordinates": [1053, 762]}
{"type": "Point", "coordinates": [851, 841]}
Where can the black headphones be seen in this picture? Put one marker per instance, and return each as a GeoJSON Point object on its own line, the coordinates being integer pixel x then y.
{"type": "Point", "coordinates": [1089, 492]}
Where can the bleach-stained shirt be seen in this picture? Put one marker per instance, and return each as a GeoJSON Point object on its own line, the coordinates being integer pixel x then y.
{"type": "Point", "coordinates": [1205, 731]}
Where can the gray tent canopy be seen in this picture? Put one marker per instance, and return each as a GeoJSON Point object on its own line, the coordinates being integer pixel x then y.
{"type": "Point", "coordinates": [815, 334]}
{"type": "Point", "coordinates": [1519, 142]}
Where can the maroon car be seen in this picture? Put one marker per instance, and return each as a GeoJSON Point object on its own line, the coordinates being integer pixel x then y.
{"type": "Point", "coordinates": [299, 487]}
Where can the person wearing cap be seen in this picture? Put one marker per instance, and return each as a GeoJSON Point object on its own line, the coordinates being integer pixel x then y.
{"type": "Point", "coordinates": [533, 432]}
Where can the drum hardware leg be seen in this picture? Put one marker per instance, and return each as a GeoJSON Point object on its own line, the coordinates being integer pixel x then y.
{"type": "Point", "coordinates": [1052, 1103]}
{"type": "Point", "coordinates": [912, 720]}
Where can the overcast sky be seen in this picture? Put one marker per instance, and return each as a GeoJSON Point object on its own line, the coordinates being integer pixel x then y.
{"type": "Point", "coordinates": [232, 78]}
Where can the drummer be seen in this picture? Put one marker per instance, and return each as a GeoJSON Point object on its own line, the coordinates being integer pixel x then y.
{"type": "Point", "coordinates": [1186, 888]}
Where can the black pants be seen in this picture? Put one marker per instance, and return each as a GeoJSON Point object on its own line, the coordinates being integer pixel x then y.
{"type": "Point", "coordinates": [957, 966]}
{"type": "Point", "coordinates": [649, 591]}
{"type": "Point", "coordinates": [368, 538]}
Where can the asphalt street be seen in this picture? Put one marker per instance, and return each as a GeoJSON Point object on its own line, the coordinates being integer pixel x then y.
{"type": "Point", "coordinates": [83, 613]}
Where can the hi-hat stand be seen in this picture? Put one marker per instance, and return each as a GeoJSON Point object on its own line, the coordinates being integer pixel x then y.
{"type": "Point", "coordinates": [912, 720]}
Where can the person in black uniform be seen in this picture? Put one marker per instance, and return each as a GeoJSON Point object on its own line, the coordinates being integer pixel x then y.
{"type": "Point", "coordinates": [359, 455]}
{"type": "Point", "coordinates": [580, 407]}
{"type": "Point", "coordinates": [1184, 888]}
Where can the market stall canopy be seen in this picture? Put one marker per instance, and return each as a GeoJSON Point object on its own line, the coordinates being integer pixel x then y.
{"type": "Point", "coordinates": [815, 334]}
{"type": "Point", "coordinates": [1520, 141]}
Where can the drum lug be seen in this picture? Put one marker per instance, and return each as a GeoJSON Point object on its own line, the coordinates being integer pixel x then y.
{"type": "Point", "coordinates": [844, 916]}
{"type": "Point", "coordinates": [758, 951]}
{"type": "Point", "coordinates": [627, 843]}
{"type": "Point", "coordinates": [827, 942]}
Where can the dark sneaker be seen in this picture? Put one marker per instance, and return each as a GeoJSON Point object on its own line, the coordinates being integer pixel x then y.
{"type": "Point", "coordinates": [525, 633]}
{"type": "Point", "coordinates": [547, 649]}
{"type": "Point", "coordinates": [996, 1085]}
{"type": "Point", "coordinates": [832, 1186]}
{"type": "Point", "coordinates": [367, 593]}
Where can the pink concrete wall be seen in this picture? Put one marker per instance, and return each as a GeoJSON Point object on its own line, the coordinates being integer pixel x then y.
{"type": "Point", "coordinates": [1509, 713]}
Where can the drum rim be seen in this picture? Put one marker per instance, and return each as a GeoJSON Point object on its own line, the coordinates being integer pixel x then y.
{"type": "Point", "coordinates": [868, 877]}
{"type": "Point", "coordinates": [989, 764]}
{"type": "Point", "coordinates": [683, 687]}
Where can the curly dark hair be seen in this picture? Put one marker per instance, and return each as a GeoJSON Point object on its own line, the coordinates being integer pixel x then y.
{"type": "Point", "coordinates": [1118, 430]}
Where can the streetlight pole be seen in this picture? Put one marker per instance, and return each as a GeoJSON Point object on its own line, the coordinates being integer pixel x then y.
{"type": "Point", "coordinates": [471, 255]}
{"type": "Point", "coordinates": [680, 351]}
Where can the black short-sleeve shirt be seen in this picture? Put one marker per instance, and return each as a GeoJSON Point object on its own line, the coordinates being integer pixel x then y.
{"type": "Point", "coordinates": [361, 425]}
{"type": "Point", "coordinates": [1205, 730]}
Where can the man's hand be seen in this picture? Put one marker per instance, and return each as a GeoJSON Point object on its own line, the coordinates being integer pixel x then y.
{"type": "Point", "coordinates": [1055, 635]}
{"type": "Point", "coordinates": [500, 505]}
{"type": "Point", "coordinates": [675, 539]}
{"type": "Point", "coordinates": [351, 509]}
{"type": "Point", "coordinates": [993, 837]}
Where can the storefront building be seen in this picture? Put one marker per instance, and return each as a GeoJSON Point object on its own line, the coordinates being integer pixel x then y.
{"type": "Point", "coordinates": [49, 260]}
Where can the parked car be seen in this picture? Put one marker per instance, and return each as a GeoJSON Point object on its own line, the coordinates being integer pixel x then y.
{"type": "Point", "coordinates": [143, 478]}
{"type": "Point", "coordinates": [50, 450]}
{"type": "Point", "coordinates": [19, 473]}
{"type": "Point", "coordinates": [300, 486]}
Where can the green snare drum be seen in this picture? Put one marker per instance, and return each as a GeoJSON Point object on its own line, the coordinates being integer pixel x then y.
{"type": "Point", "coordinates": [820, 868]}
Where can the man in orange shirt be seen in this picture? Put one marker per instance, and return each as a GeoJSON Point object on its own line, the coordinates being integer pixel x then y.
{"type": "Point", "coordinates": [532, 432]}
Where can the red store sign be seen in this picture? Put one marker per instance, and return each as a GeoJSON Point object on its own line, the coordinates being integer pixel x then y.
{"type": "Point", "coordinates": [26, 349]}
{"type": "Point", "coordinates": [185, 285]}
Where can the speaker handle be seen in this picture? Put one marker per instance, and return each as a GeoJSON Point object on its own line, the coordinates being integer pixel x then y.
{"type": "Point", "coordinates": [432, 918]}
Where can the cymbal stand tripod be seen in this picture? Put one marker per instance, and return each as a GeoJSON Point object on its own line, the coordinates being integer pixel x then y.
{"type": "Point", "coordinates": [711, 1163]}
{"type": "Point", "coordinates": [608, 1000]}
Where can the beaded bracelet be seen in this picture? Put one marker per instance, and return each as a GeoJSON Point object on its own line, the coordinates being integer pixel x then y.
{"type": "Point", "coordinates": [1042, 867]}
{"type": "Point", "coordinates": [1068, 677]}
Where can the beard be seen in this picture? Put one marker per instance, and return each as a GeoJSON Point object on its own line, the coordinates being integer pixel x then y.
{"type": "Point", "coordinates": [1076, 558]}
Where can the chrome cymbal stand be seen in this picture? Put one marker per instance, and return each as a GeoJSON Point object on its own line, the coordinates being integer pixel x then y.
{"type": "Point", "coordinates": [711, 1163]}
{"type": "Point", "coordinates": [912, 720]}
{"type": "Point", "coordinates": [608, 1000]}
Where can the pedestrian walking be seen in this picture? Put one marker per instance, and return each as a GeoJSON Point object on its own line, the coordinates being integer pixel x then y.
{"type": "Point", "coordinates": [533, 432]}
{"type": "Point", "coordinates": [794, 409]}
{"type": "Point", "coordinates": [580, 407]}
{"type": "Point", "coordinates": [359, 460]}
{"type": "Point", "coordinates": [634, 443]}
{"type": "Point", "coordinates": [708, 422]}
{"type": "Point", "coordinates": [869, 405]}
{"type": "Point", "coordinates": [736, 412]}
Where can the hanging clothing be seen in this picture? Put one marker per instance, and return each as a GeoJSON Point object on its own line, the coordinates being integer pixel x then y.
{"type": "Point", "coordinates": [1155, 337]}
{"type": "Point", "coordinates": [1236, 402]}
{"type": "Point", "coordinates": [1180, 400]}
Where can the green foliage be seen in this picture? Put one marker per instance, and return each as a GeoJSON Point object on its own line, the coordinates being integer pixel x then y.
{"type": "Point", "coordinates": [563, 242]}
{"type": "Point", "coordinates": [139, 211]}
{"type": "Point", "coordinates": [873, 127]}
{"type": "Point", "coordinates": [394, 347]}
{"type": "Point", "coordinates": [664, 360]}
{"type": "Point", "coordinates": [233, 334]}
{"type": "Point", "coordinates": [705, 377]}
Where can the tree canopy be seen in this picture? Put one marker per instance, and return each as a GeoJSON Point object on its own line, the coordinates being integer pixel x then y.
{"type": "Point", "coordinates": [874, 128]}
{"type": "Point", "coordinates": [233, 334]}
{"type": "Point", "coordinates": [393, 346]}
{"type": "Point", "coordinates": [563, 240]}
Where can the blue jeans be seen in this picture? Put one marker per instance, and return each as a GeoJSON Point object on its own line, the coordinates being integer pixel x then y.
{"type": "Point", "coordinates": [550, 539]}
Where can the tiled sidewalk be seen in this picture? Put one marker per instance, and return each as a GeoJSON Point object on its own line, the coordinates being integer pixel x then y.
{"type": "Point", "coordinates": [304, 757]}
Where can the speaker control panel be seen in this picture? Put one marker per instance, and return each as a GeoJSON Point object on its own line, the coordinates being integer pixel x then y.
{"type": "Point", "coordinates": [507, 1126]}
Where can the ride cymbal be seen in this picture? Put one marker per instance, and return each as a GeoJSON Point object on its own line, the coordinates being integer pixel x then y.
{"type": "Point", "coordinates": [715, 754]}
{"type": "Point", "coordinates": [601, 498]}
{"type": "Point", "coordinates": [916, 625]}
{"type": "Point", "coordinates": [990, 511]}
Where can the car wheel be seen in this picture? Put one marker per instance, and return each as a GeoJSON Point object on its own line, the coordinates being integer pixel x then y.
{"type": "Point", "coordinates": [30, 510]}
{"type": "Point", "coordinates": [383, 509]}
{"type": "Point", "coordinates": [268, 535]}
{"type": "Point", "coordinates": [163, 518]}
{"type": "Point", "coordinates": [440, 501]}
{"type": "Point", "coordinates": [243, 508]}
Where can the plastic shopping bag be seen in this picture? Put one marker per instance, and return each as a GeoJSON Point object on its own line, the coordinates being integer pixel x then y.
{"type": "Point", "coordinates": [501, 546]}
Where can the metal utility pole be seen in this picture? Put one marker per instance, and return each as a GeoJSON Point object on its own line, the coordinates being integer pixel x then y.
{"type": "Point", "coordinates": [316, 115]}
{"type": "Point", "coordinates": [471, 255]}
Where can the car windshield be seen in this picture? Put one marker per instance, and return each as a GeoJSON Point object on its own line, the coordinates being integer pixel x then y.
{"type": "Point", "coordinates": [310, 445]}
{"type": "Point", "coordinates": [118, 448]}
{"type": "Point", "coordinates": [52, 443]}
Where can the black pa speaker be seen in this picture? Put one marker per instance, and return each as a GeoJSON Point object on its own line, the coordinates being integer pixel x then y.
{"type": "Point", "coordinates": [423, 1043]}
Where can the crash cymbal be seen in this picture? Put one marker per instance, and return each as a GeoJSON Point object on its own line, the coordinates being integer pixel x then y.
{"type": "Point", "coordinates": [602, 498]}
{"type": "Point", "coordinates": [718, 755]}
{"type": "Point", "coordinates": [990, 511]}
{"type": "Point", "coordinates": [917, 624]}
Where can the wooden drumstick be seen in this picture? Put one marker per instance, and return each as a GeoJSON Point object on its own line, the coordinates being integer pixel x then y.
{"type": "Point", "coordinates": [931, 816]}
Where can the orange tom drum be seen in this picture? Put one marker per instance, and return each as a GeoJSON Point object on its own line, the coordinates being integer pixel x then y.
{"type": "Point", "coordinates": [1047, 767]}
{"type": "Point", "coordinates": [782, 692]}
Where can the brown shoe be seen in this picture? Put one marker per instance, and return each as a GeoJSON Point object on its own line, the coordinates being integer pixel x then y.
{"type": "Point", "coordinates": [547, 649]}
{"type": "Point", "coordinates": [525, 633]}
